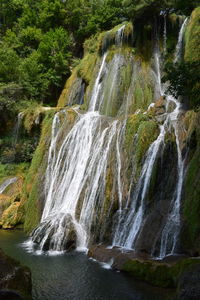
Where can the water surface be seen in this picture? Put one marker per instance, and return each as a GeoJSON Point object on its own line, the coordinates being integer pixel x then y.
{"type": "Point", "coordinates": [72, 276]}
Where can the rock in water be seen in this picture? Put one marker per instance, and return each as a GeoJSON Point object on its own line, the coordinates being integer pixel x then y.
{"type": "Point", "coordinates": [15, 280]}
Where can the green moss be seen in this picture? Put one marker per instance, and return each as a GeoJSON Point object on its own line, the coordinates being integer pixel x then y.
{"type": "Point", "coordinates": [143, 89]}
{"type": "Point", "coordinates": [11, 170]}
{"type": "Point", "coordinates": [33, 192]}
{"type": "Point", "coordinates": [159, 273]}
{"type": "Point", "coordinates": [191, 199]}
{"type": "Point", "coordinates": [12, 216]}
{"type": "Point", "coordinates": [117, 82]}
{"type": "Point", "coordinates": [86, 67]}
{"type": "Point", "coordinates": [33, 180]}
{"type": "Point", "coordinates": [146, 130]}
{"type": "Point", "coordinates": [92, 44]}
{"type": "Point", "coordinates": [34, 113]}
{"type": "Point", "coordinates": [107, 38]}
{"type": "Point", "coordinates": [147, 133]}
{"type": "Point", "coordinates": [64, 97]}
{"type": "Point", "coordinates": [192, 37]}
{"type": "Point", "coordinates": [132, 125]}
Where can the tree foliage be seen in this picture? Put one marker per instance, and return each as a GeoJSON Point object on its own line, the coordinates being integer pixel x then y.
{"type": "Point", "coordinates": [40, 39]}
{"type": "Point", "coordinates": [184, 81]}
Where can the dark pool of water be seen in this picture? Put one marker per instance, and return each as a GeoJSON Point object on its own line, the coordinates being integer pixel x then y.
{"type": "Point", "coordinates": [73, 276]}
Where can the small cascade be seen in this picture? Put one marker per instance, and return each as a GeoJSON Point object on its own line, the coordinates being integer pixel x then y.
{"type": "Point", "coordinates": [134, 220]}
{"type": "Point", "coordinates": [17, 127]}
{"type": "Point", "coordinates": [158, 88]}
{"type": "Point", "coordinates": [97, 86]}
{"type": "Point", "coordinates": [52, 152]}
{"type": "Point", "coordinates": [6, 183]}
{"type": "Point", "coordinates": [171, 230]}
{"type": "Point", "coordinates": [179, 46]}
{"type": "Point", "coordinates": [109, 92]}
{"type": "Point", "coordinates": [165, 34]}
{"type": "Point", "coordinates": [119, 141]}
{"type": "Point", "coordinates": [119, 36]}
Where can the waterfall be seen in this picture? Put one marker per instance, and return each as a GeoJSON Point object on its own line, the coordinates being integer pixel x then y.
{"type": "Point", "coordinates": [119, 36]}
{"type": "Point", "coordinates": [75, 178]}
{"type": "Point", "coordinates": [165, 34]}
{"type": "Point", "coordinates": [17, 127]}
{"type": "Point", "coordinates": [171, 230]}
{"type": "Point", "coordinates": [6, 183]}
{"type": "Point", "coordinates": [179, 46]}
{"type": "Point", "coordinates": [81, 163]}
{"type": "Point", "coordinates": [130, 225]}
{"type": "Point", "coordinates": [97, 86]}
{"type": "Point", "coordinates": [76, 207]}
{"type": "Point", "coordinates": [158, 89]}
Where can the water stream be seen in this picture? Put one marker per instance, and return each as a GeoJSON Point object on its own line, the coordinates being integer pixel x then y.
{"type": "Point", "coordinates": [6, 183]}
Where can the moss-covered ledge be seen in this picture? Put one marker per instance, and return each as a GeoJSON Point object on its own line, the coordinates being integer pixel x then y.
{"type": "Point", "coordinates": [159, 273]}
{"type": "Point", "coordinates": [15, 280]}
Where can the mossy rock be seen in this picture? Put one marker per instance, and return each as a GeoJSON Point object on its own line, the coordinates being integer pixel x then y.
{"type": "Point", "coordinates": [147, 133]}
{"type": "Point", "coordinates": [34, 179]}
{"type": "Point", "coordinates": [191, 190]}
{"type": "Point", "coordinates": [33, 116]}
{"type": "Point", "coordinates": [11, 209]}
{"type": "Point", "coordinates": [14, 278]}
{"type": "Point", "coordinates": [33, 196]}
{"type": "Point", "coordinates": [86, 67]}
{"type": "Point", "coordinates": [71, 91]}
{"type": "Point", "coordinates": [132, 125]}
{"type": "Point", "coordinates": [192, 37]}
{"type": "Point", "coordinates": [108, 38]}
{"type": "Point", "coordinates": [12, 216]}
{"type": "Point", "coordinates": [159, 273]}
{"type": "Point", "coordinates": [5, 202]}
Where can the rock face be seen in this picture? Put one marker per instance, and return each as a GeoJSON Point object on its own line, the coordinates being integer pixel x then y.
{"type": "Point", "coordinates": [15, 280]}
{"type": "Point", "coordinates": [172, 272]}
{"type": "Point", "coordinates": [11, 210]}
{"type": "Point", "coordinates": [189, 288]}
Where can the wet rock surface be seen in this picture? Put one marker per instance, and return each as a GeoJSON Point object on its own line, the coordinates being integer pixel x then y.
{"type": "Point", "coordinates": [15, 280]}
{"type": "Point", "coordinates": [178, 271]}
{"type": "Point", "coordinates": [188, 287]}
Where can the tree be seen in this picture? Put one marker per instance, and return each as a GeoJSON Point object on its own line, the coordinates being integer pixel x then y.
{"type": "Point", "coordinates": [184, 81]}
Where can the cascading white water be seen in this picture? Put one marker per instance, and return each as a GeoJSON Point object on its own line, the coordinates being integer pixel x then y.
{"type": "Point", "coordinates": [128, 230]}
{"type": "Point", "coordinates": [119, 36]}
{"type": "Point", "coordinates": [165, 34]}
{"type": "Point", "coordinates": [76, 173]}
{"type": "Point", "coordinates": [97, 86]}
{"type": "Point", "coordinates": [170, 233]}
{"type": "Point", "coordinates": [17, 128]}
{"type": "Point", "coordinates": [171, 229]}
{"type": "Point", "coordinates": [158, 88]}
{"type": "Point", "coordinates": [179, 46]}
{"type": "Point", "coordinates": [77, 168]}
{"type": "Point", "coordinates": [6, 183]}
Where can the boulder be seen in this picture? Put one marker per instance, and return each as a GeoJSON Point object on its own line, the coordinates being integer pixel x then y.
{"type": "Point", "coordinates": [15, 280]}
